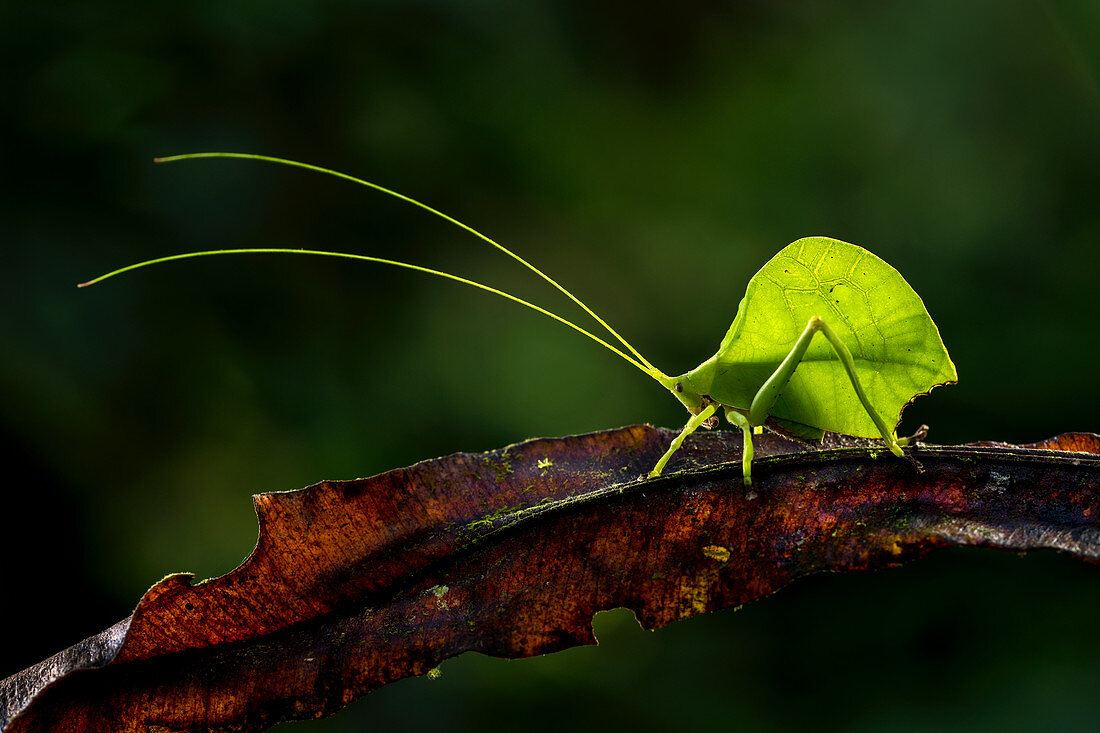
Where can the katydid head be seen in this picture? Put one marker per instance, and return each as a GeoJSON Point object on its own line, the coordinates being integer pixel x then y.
{"type": "Point", "coordinates": [691, 388]}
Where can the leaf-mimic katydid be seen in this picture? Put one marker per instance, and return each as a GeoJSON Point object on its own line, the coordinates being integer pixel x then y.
{"type": "Point", "coordinates": [880, 349]}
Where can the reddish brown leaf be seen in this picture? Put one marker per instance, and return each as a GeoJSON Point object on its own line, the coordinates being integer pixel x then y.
{"type": "Point", "coordinates": [354, 584]}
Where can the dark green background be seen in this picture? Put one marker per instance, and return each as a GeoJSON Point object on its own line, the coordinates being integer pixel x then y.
{"type": "Point", "coordinates": [652, 157]}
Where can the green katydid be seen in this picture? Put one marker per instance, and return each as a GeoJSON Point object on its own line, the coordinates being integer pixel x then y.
{"type": "Point", "coordinates": [880, 348]}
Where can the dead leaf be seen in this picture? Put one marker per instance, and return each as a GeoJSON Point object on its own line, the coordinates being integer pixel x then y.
{"type": "Point", "coordinates": [354, 584]}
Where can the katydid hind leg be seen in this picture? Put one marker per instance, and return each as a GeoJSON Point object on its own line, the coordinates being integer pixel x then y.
{"type": "Point", "coordinates": [765, 398]}
{"type": "Point", "coordinates": [919, 435]}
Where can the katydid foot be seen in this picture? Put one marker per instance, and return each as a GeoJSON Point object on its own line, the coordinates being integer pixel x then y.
{"type": "Point", "coordinates": [921, 434]}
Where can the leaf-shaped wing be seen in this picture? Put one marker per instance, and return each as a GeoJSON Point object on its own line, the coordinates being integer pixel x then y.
{"type": "Point", "coordinates": [897, 348]}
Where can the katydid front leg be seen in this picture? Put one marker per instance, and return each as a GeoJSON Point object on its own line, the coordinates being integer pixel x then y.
{"type": "Point", "coordinates": [765, 399]}
{"type": "Point", "coordinates": [692, 425]}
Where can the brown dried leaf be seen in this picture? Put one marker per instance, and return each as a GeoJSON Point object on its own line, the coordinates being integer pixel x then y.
{"type": "Point", "coordinates": [354, 584]}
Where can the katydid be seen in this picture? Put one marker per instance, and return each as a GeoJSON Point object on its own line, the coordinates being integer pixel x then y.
{"type": "Point", "coordinates": [880, 349]}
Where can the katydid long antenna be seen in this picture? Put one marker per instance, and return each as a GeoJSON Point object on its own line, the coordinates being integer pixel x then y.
{"type": "Point", "coordinates": [637, 360]}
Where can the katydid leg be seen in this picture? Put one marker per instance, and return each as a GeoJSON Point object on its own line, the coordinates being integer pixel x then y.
{"type": "Point", "coordinates": [921, 434]}
{"type": "Point", "coordinates": [746, 451]}
{"type": "Point", "coordinates": [765, 399]}
{"type": "Point", "coordinates": [692, 425]}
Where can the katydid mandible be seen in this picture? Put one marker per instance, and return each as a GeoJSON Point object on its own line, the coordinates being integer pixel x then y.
{"type": "Point", "coordinates": [879, 348]}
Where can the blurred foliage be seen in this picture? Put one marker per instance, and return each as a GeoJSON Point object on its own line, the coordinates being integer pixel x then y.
{"type": "Point", "coordinates": [652, 159]}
